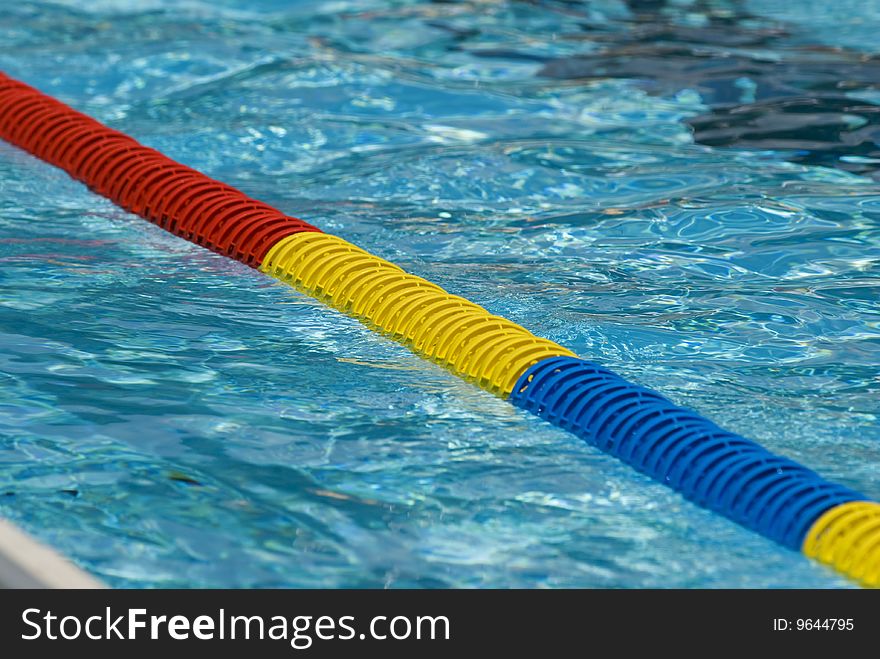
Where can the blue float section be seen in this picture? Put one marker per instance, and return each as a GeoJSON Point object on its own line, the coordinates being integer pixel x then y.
{"type": "Point", "coordinates": [715, 468]}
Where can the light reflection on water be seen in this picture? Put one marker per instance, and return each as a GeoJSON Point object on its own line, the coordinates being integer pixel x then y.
{"type": "Point", "coordinates": [170, 418]}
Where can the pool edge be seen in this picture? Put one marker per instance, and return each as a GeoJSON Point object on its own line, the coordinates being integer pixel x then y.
{"type": "Point", "coordinates": [25, 562]}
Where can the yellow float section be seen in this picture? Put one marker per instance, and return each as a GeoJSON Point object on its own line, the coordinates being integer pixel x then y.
{"type": "Point", "coordinates": [847, 537]}
{"type": "Point", "coordinates": [488, 350]}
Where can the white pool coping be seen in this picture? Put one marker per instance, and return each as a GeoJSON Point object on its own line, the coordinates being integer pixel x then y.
{"type": "Point", "coordinates": [27, 563]}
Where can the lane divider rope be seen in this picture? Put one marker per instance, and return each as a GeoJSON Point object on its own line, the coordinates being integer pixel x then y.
{"type": "Point", "coordinates": [712, 467]}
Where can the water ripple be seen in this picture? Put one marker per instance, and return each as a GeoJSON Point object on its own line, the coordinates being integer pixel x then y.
{"type": "Point", "coordinates": [170, 418]}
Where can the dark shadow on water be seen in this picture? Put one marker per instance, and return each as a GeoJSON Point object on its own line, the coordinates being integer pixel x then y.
{"type": "Point", "coordinates": [764, 90]}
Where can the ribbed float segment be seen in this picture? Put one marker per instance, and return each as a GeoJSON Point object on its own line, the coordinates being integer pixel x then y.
{"type": "Point", "coordinates": [488, 350]}
{"type": "Point", "coordinates": [720, 470]}
{"type": "Point", "coordinates": [847, 537]}
{"type": "Point", "coordinates": [141, 180]}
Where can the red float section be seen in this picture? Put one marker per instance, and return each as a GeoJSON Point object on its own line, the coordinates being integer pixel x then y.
{"type": "Point", "coordinates": [140, 179]}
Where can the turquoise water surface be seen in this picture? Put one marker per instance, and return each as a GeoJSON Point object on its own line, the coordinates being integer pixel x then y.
{"type": "Point", "coordinates": [686, 192]}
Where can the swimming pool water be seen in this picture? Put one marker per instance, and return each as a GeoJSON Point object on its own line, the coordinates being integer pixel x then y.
{"type": "Point", "coordinates": [171, 418]}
